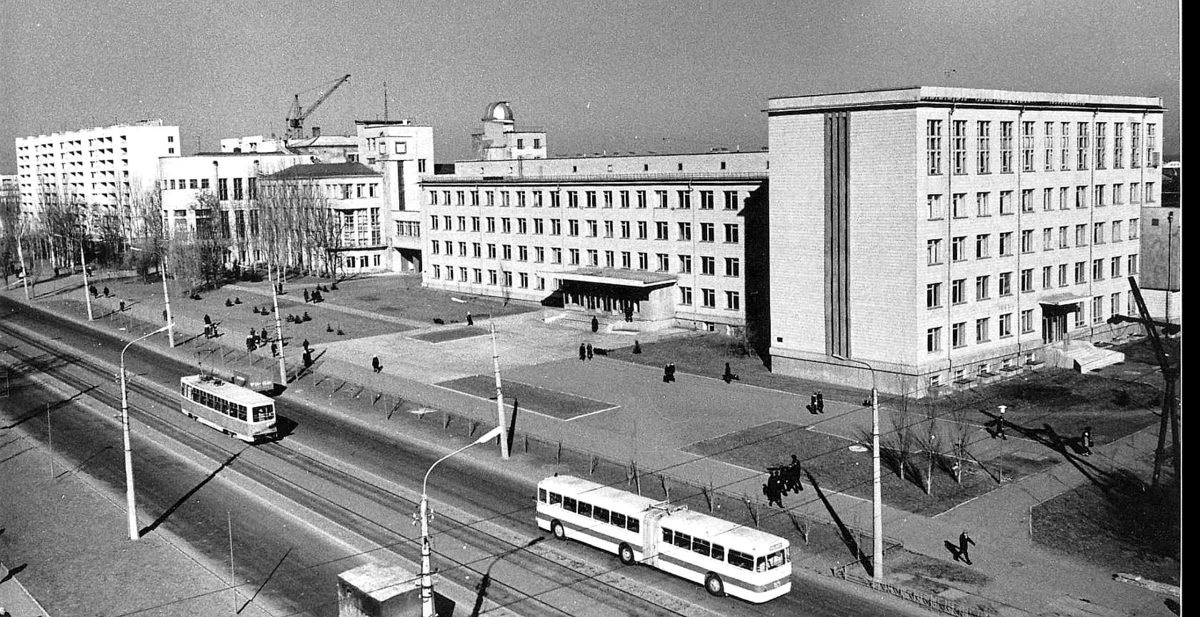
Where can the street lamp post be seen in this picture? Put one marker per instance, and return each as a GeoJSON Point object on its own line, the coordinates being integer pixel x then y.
{"type": "Point", "coordinates": [877, 486]}
{"type": "Point", "coordinates": [24, 270]}
{"type": "Point", "coordinates": [278, 326]}
{"type": "Point", "coordinates": [427, 608]}
{"type": "Point", "coordinates": [130, 502]}
{"type": "Point", "coordinates": [87, 296]}
{"type": "Point", "coordinates": [162, 269]}
{"type": "Point", "coordinates": [499, 398]}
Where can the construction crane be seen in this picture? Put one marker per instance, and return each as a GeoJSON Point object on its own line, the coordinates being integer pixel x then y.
{"type": "Point", "coordinates": [1170, 373]}
{"type": "Point", "coordinates": [296, 116]}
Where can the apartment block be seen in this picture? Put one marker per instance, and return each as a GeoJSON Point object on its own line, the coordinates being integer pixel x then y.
{"type": "Point", "coordinates": [926, 238]}
{"type": "Point", "coordinates": [98, 171]}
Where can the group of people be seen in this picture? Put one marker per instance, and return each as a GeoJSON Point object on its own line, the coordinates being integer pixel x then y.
{"type": "Point", "coordinates": [95, 293]}
{"type": "Point", "coordinates": [314, 296]}
{"type": "Point", "coordinates": [256, 339]}
{"type": "Point", "coordinates": [782, 480]}
{"type": "Point", "coordinates": [585, 351]}
{"type": "Point", "coordinates": [669, 372]}
{"type": "Point", "coordinates": [817, 403]}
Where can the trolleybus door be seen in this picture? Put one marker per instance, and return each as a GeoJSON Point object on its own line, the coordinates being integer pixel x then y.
{"type": "Point", "coordinates": [651, 535]}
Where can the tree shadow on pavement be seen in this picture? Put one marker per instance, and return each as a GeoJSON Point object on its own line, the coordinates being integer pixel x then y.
{"type": "Point", "coordinates": [844, 532]}
{"type": "Point", "coordinates": [42, 409]}
{"type": "Point", "coordinates": [182, 500]}
{"type": "Point", "coordinates": [485, 581]}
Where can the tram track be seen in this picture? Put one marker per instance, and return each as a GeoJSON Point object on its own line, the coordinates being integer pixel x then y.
{"type": "Point", "coordinates": [596, 585]}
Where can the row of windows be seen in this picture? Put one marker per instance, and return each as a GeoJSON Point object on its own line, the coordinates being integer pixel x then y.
{"type": "Point", "coordinates": [1004, 281]}
{"type": "Point", "coordinates": [662, 229]}
{"type": "Point", "coordinates": [1053, 142]}
{"type": "Point", "coordinates": [960, 335]}
{"type": "Point", "coordinates": [708, 264]}
{"type": "Point", "coordinates": [708, 298]}
{"type": "Point", "coordinates": [1101, 232]}
{"type": "Point", "coordinates": [591, 199]}
{"type": "Point", "coordinates": [222, 406]}
{"type": "Point", "coordinates": [1052, 199]}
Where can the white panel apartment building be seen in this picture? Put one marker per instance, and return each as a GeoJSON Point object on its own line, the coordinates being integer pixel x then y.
{"type": "Point", "coordinates": [657, 239]}
{"type": "Point", "coordinates": [99, 170]}
{"type": "Point", "coordinates": [947, 235]}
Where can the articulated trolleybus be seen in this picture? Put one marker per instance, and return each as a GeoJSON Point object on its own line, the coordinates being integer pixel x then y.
{"type": "Point", "coordinates": [227, 407]}
{"type": "Point", "coordinates": [725, 557]}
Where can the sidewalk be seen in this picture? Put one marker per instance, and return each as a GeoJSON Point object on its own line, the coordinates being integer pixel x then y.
{"type": "Point", "coordinates": [652, 422]}
{"type": "Point", "coordinates": [15, 598]}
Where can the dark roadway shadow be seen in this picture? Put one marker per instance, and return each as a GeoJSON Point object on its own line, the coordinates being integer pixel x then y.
{"type": "Point", "coordinates": [844, 532]}
{"type": "Point", "coordinates": [42, 409]}
{"type": "Point", "coordinates": [1071, 449]}
{"type": "Point", "coordinates": [182, 500]}
{"type": "Point", "coordinates": [85, 462]}
{"type": "Point", "coordinates": [12, 572]}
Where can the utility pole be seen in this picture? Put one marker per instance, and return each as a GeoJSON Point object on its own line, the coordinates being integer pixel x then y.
{"type": "Point", "coordinates": [87, 295]}
{"type": "Point", "coordinates": [278, 325]}
{"type": "Point", "coordinates": [499, 398]}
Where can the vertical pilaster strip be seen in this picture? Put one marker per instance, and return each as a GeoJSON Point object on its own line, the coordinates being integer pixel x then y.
{"type": "Point", "coordinates": [836, 233]}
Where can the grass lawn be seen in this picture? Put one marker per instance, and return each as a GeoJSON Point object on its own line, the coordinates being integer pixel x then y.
{"type": "Point", "coordinates": [403, 296]}
{"type": "Point", "coordinates": [829, 460]}
{"type": "Point", "coordinates": [1121, 524]}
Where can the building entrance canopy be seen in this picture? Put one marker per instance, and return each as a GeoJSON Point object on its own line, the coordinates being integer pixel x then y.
{"type": "Point", "coordinates": [1061, 303]}
{"type": "Point", "coordinates": [634, 279]}
{"type": "Point", "coordinates": [631, 294]}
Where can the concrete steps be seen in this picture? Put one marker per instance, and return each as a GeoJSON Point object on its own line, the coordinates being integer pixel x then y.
{"type": "Point", "coordinates": [1082, 356]}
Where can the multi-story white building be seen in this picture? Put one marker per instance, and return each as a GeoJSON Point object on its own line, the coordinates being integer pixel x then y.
{"type": "Point", "coordinates": [401, 152]}
{"type": "Point", "coordinates": [659, 239]}
{"type": "Point", "coordinates": [98, 170]}
{"type": "Point", "coordinates": [230, 178]}
{"type": "Point", "coordinates": [946, 235]}
{"type": "Point", "coordinates": [353, 233]}
{"type": "Point", "coordinates": [501, 140]}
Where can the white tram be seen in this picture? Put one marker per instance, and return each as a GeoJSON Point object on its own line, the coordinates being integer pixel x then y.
{"type": "Point", "coordinates": [725, 557]}
{"type": "Point", "coordinates": [227, 407]}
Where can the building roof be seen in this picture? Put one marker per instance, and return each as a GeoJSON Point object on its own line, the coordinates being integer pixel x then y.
{"type": "Point", "coordinates": [615, 276]}
{"type": "Point", "coordinates": [324, 170]}
{"type": "Point", "coordinates": [967, 97]}
{"type": "Point", "coordinates": [323, 141]}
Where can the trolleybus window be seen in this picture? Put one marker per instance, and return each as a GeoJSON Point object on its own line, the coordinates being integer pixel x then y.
{"type": "Point", "coordinates": [600, 514]}
{"type": "Point", "coordinates": [741, 560]}
{"type": "Point", "coordinates": [555, 499]}
{"type": "Point", "coordinates": [266, 412]}
{"type": "Point", "coordinates": [569, 504]}
{"type": "Point", "coordinates": [584, 509]}
{"type": "Point", "coordinates": [633, 524]}
{"type": "Point", "coordinates": [618, 519]}
{"type": "Point", "coordinates": [700, 546]}
{"type": "Point", "coordinates": [683, 540]}
{"type": "Point", "coordinates": [772, 561]}
{"type": "Point", "coordinates": [718, 552]}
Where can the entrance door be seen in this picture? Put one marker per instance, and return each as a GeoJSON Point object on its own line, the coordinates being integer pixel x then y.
{"type": "Point", "coordinates": [1053, 328]}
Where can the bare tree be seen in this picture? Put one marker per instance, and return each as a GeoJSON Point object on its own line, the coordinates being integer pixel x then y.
{"type": "Point", "coordinates": [299, 229]}
{"type": "Point", "coordinates": [10, 221]}
{"type": "Point", "coordinates": [903, 434]}
{"type": "Point", "coordinates": [929, 441]}
{"type": "Point", "coordinates": [960, 437]}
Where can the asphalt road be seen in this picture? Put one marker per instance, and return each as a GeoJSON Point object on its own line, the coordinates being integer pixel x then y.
{"type": "Point", "coordinates": [364, 482]}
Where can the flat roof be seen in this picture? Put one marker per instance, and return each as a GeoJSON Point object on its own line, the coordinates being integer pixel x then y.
{"type": "Point", "coordinates": [940, 96]}
{"type": "Point", "coordinates": [615, 276]}
{"type": "Point", "coordinates": [381, 582]}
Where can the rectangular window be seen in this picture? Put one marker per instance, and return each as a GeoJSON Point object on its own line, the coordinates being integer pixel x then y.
{"type": "Point", "coordinates": [733, 267]}
{"type": "Point", "coordinates": [1047, 277]}
{"type": "Point", "coordinates": [1097, 269]}
{"type": "Point", "coordinates": [1026, 321]}
{"type": "Point", "coordinates": [1098, 233]}
{"type": "Point", "coordinates": [958, 291]}
{"type": "Point", "coordinates": [1097, 309]}
{"type": "Point", "coordinates": [1083, 145]}
{"type": "Point", "coordinates": [1026, 200]}
{"type": "Point", "coordinates": [1048, 143]}
{"type": "Point", "coordinates": [1027, 280]}
{"type": "Point", "coordinates": [1005, 325]}
{"type": "Point", "coordinates": [958, 248]}
{"type": "Point", "coordinates": [662, 198]}
{"type": "Point", "coordinates": [685, 200]}
{"type": "Point", "coordinates": [933, 146]}
{"type": "Point", "coordinates": [1135, 145]}
{"type": "Point", "coordinates": [982, 330]}
{"type": "Point", "coordinates": [706, 200]}
{"type": "Point", "coordinates": [641, 199]}
{"type": "Point", "coordinates": [1005, 284]}
{"type": "Point", "coordinates": [983, 146]}
{"type": "Point", "coordinates": [1101, 130]}
{"type": "Point", "coordinates": [1064, 146]}
{"type": "Point", "coordinates": [731, 200]}
{"type": "Point", "coordinates": [933, 340]}
{"type": "Point", "coordinates": [1151, 145]}
{"type": "Point", "coordinates": [685, 264]}
{"type": "Point", "coordinates": [1132, 267]}
{"type": "Point", "coordinates": [1006, 206]}
{"type": "Point", "coordinates": [624, 199]}
{"type": "Point", "coordinates": [710, 298]}
{"type": "Point", "coordinates": [732, 233]}
{"type": "Point", "coordinates": [1063, 281]}
{"type": "Point", "coordinates": [981, 246]}
{"type": "Point", "coordinates": [685, 296]}
{"type": "Point", "coordinates": [1006, 147]}
{"type": "Point", "coordinates": [1080, 272]}
{"type": "Point", "coordinates": [958, 334]}
{"type": "Point", "coordinates": [590, 199]}
{"type": "Point", "coordinates": [708, 265]}
{"type": "Point", "coordinates": [958, 146]}
{"type": "Point", "coordinates": [935, 207]}
{"type": "Point", "coordinates": [1081, 234]}
{"type": "Point", "coordinates": [982, 208]}
{"type": "Point", "coordinates": [1118, 145]}
{"type": "Point", "coordinates": [933, 249]}
{"type": "Point", "coordinates": [1026, 240]}
{"type": "Point", "coordinates": [572, 199]}
{"type": "Point", "coordinates": [1027, 146]}
{"type": "Point", "coordinates": [1114, 267]}
{"type": "Point", "coordinates": [982, 287]}
{"type": "Point", "coordinates": [733, 300]}
{"type": "Point", "coordinates": [661, 229]}
{"type": "Point", "coordinates": [708, 232]}
{"type": "Point", "coordinates": [958, 205]}
{"type": "Point", "coordinates": [933, 295]}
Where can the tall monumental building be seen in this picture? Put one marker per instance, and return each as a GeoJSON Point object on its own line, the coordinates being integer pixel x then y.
{"type": "Point", "coordinates": [99, 171]}
{"type": "Point", "coordinates": [932, 238]}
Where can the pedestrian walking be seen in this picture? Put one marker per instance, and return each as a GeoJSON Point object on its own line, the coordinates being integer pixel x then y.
{"type": "Point", "coordinates": [582, 351]}
{"type": "Point", "coordinates": [92, 290]}
{"type": "Point", "coordinates": [122, 306]}
{"type": "Point", "coordinates": [964, 542]}
{"type": "Point", "coordinates": [637, 347]}
{"type": "Point", "coordinates": [274, 350]}
{"type": "Point", "coordinates": [820, 402]}
{"type": "Point", "coordinates": [729, 374]}
{"type": "Point", "coordinates": [667, 373]}
{"type": "Point", "coordinates": [1085, 441]}
{"type": "Point", "coordinates": [812, 403]}
{"type": "Point", "coordinates": [306, 296]}
{"type": "Point", "coordinates": [164, 315]}
{"type": "Point", "coordinates": [207, 319]}
{"type": "Point", "coordinates": [1000, 425]}
{"type": "Point", "coordinates": [671, 370]}
{"type": "Point", "coordinates": [308, 358]}
{"type": "Point", "coordinates": [589, 351]}
{"type": "Point", "coordinates": [470, 320]}
{"type": "Point", "coordinates": [375, 364]}
{"type": "Point", "coordinates": [794, 471]}
{"type": "Point", "coordinates": [771, 490]}
{"type": "Point", "coordinates": [595, 324]}
{"type": "Point", "coordinates": [106, 292]}
{"type": "Point", "coordinates": [305, 344]}
{"type": "Point", "coordinates": [249, 343]}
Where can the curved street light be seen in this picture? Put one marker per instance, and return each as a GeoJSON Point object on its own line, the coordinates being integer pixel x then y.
{"type": "Point", "coordinates": [129, 498]}
{"type": "Point", "coordinates": [427, 608]}
{"type": "Point", "coordinates": [877, 490]}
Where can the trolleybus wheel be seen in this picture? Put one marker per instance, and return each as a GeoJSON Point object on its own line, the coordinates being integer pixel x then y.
{"type": "Point", "coordinates": [714, 584]}
{"type": "Point", "coordinates": [557, 529]}
{"type": "Point", "coordinates": [625, 554]}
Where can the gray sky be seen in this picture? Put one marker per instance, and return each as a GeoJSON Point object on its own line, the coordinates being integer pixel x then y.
{"type": "Point", "coordinates": [599, 76]}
